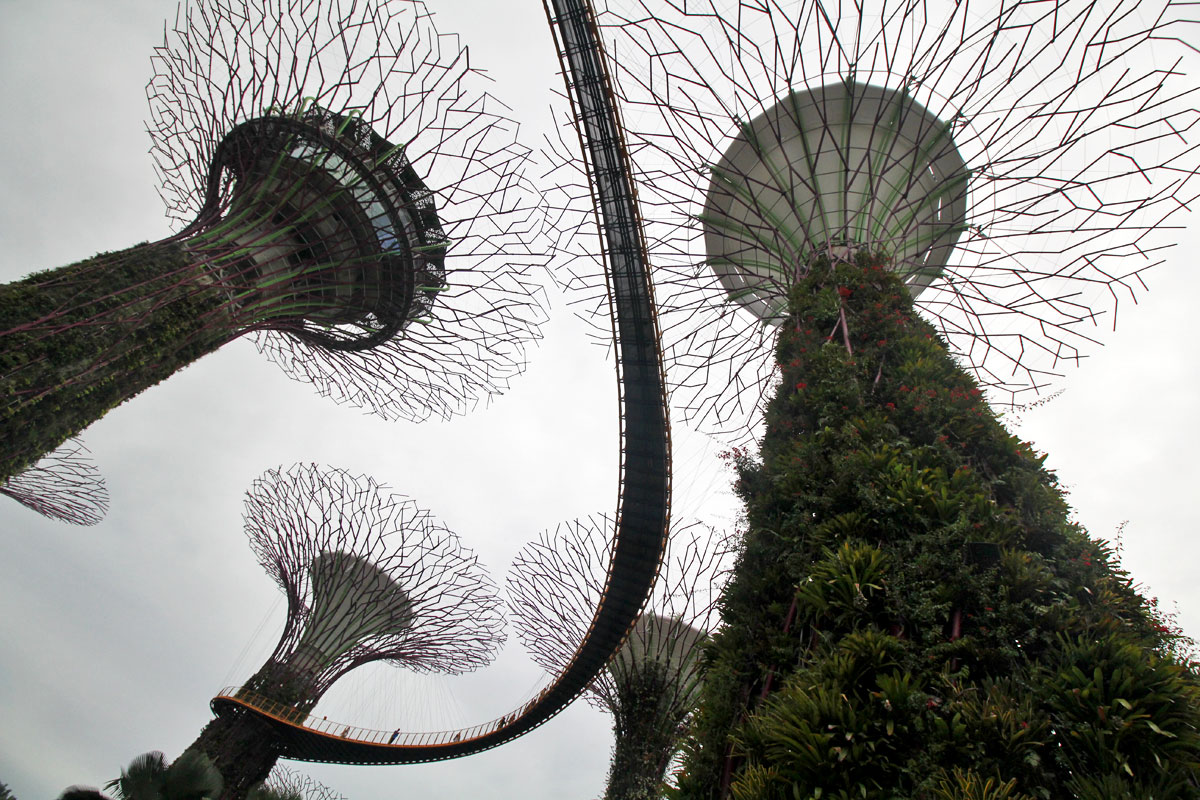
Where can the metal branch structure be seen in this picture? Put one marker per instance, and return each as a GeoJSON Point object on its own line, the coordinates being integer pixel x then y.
{"type": "Point", "coordinates": [652, 684]}
{"type": "Point", "coordinates": [342, 190]}
{"type": "Point", "coordinates": [1019, 161]}
{"type": "Point", "coordinates": [63, 485]}
{"type": "Point", "coordinates": [368, 576]}
{"type": "Point", "coordinates": [643, 510]}
{"type": "Point", "coordinates": [288, 784]}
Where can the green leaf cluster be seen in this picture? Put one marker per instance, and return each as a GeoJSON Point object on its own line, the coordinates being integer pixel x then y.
{"type": "Point", "coordinates": [913, 615]}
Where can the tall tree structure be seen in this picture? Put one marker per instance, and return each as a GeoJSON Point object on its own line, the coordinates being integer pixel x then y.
{"type": "Point", "coordinates": [652, 685]}
{"type": "Point", "coordinates": [341, 190]}
{"type": "Point", "coordinates": [913, 613]}
{"type": "Point", "coordinates": [1022, 162]}
{"type": "Point", "coordinates": [368, 576]}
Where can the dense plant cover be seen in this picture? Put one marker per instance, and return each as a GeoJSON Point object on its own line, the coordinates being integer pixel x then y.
{"type": "Point", "coordinates": [645, 733]}
{"type": "Point", "coordinates": [122, 322]}
{"type": "Point", "coordinates": [913, 614]}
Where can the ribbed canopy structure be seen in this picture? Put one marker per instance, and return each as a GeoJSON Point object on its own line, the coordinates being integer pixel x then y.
{"type": "Point", "coordinates": [326, 231]}
{"type": "Point", "coordinates": [353, 600]}
{"type": "Point", "coordinates": [842, 166]}
{"type": "Point", "coordinates": [369, 576]}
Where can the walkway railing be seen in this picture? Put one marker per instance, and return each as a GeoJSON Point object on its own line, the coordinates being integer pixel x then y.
{"type": "Point", "coordinates": [644, 501]}
{"type": "Point", "coordinates": [282, 713]}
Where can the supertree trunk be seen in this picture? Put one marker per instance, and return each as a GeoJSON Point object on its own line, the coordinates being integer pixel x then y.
{"type": "Point", "coordinates": [646, 736]}
{"type": "Point", "coordinates": [122, 322]}
{"type": "Point", "coordinates": [242, 747]}
{"type": "Point", "coordinates": [914, 614]}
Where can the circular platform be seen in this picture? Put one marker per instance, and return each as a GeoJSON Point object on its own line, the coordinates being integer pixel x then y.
{"type": "Point", "coordinates": [843, 166]}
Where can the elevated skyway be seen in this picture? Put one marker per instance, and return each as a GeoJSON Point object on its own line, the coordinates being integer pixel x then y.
{"type": "Point", "coordinates": [644, 498]}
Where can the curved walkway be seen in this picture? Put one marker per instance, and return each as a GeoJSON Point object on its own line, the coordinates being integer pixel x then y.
{"type": "Point", "coordinates": [644, 501]}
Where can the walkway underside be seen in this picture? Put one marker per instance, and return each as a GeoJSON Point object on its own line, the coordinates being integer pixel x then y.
{"type": "Point", "coordinates": [643, 509]}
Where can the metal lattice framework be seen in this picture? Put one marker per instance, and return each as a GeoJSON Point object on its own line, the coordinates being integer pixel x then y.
{"type": "Point", "coordinates": [292, 785]}
{"type": "Point", "coordinates": [1019, 160]}
{"type": "Point", "coordinates": [341, 189]}
{"type": "Point", "coordinates": [387, 66]}
{"type": "Point", "coordinates": [556, 582]}
{"type": "Point", "coordinates": [652, 684]}
{"type": "Point", "coordinates": [368, 576]}
{"type": "Point", "coordinates": [63, 485]}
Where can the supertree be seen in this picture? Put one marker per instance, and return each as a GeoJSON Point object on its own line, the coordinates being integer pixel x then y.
{"type": "Point", "coordinates": [368, 577]}
{"type": "Point", "coordinates": [1018, 162]}
{"type": "Point", "coordinates": [340, 189]}
{"type": "Point", "coordinates": [64, 485]}
{"type": "Point", "coordinates": [913, 613]}
{"type": "Point", "coordinates": [652, 684]}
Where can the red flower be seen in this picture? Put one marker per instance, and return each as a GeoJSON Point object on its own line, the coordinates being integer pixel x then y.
{"type": "Point", "coordinates": [801, 387]}
{"type": "Point", "coordinates": [890, 406]}
{"type": "Point", "coordinates": [845, 291]}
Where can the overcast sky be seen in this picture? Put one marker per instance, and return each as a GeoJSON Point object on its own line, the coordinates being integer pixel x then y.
{"type": "Point", "coordinates": [114, 638]}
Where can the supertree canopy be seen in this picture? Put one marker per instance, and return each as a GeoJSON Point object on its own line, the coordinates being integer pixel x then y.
{"type": "Point", "coordinates": [341, 190]}
{"type": "Point", "coordinates": [64, 485]}
{"type": "Point", "coordinates": [1018, 161]}
{"type": "Point", "coordinates": [368, 576]}
{"type": "Point", "coordinates": [651, 686]}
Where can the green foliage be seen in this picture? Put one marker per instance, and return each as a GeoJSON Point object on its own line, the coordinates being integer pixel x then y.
{"type": "Point", "coordinates": [192, 776]}
{"type": "Point", "coordinates": [959, 785]}
{"type": "Point", "coordinates": [82, 339]}
{"type": "Point", "coordinates": [82, 793]}
{"type": "Point", "coordinates": [864, 654]}
{"type": "Point", "coordinates": [646, 723]}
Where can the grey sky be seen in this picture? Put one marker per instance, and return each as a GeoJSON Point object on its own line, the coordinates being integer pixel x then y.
{"type": "Point", "coordinates": [114, 638]}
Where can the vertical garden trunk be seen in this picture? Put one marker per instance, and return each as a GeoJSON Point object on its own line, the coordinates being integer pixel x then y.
{"type": "Point", "coordinates": [913, 614]}
{"type": "Point", "coordinates": [242, 747]}
{"type": "Point", "coordinates": [240, 744]}
{"type": "Point", "coordinates": [77, 341]}
{"type": "Point", "coordinates": [646, 723]}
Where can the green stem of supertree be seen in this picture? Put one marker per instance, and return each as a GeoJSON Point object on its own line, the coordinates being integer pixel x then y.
{"type": "Point", "coordinates": [646, 724]}
{"type": "Point", "coordinates": [241, 745]}
{"type": "Point", "coordinates": [77, 341]}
